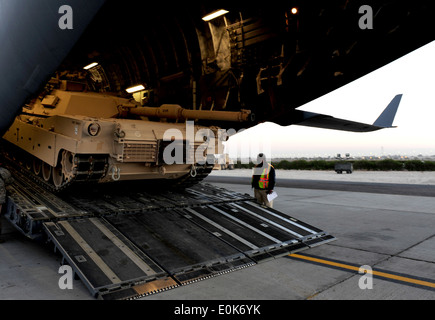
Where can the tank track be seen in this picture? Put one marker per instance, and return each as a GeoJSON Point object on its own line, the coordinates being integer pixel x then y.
{"type": "Point", "coordinates": [84, 170]}
{"type": "Point", "coordinates": [66, 184]}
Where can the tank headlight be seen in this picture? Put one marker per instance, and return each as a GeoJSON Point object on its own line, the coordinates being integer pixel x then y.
{"type": "Point", "coordinates": [94, 129]}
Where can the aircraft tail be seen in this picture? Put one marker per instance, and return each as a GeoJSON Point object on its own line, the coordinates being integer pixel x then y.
{"type": "Point", "coordinates": [386, 118]}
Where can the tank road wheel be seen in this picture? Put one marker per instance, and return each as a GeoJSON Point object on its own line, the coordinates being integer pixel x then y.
{"type": "Point", "coordinates": [57, 175]}
{"type": "Point", "coordinates": [46, 171]}
{"type": "Point", "coordinates": [37, 166]}
{"type": "Point", "coordinates": [68, 165]}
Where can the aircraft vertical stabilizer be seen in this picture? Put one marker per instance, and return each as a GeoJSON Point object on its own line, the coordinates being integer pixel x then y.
{"type": "Point", "coordinates": [386, 118]}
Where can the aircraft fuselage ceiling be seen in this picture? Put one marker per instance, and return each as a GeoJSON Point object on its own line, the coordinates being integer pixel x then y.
{"type": "Point", "coordinates": [260, 56]}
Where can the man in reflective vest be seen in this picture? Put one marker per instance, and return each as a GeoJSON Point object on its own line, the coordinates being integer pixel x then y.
{"type": "Point", "coordinates": [263, 180]}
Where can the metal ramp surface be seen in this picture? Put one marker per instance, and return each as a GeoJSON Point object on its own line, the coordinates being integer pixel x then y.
{"type": "Point", "coordinates": [127, 243]}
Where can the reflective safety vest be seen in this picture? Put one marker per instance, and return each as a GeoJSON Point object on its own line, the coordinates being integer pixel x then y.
{"type": "Point", "coordinates": [263, 183]}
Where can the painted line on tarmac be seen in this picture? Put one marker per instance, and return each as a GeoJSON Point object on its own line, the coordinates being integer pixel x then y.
{"type": "Point", "coordinates": [423, 283]}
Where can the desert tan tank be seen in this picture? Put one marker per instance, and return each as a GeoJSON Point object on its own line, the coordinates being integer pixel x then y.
{"type": "Point", "coordinates": [68, 135]}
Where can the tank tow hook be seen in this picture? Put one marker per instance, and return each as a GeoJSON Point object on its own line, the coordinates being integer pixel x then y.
{"type": "Point", "coordinates": [193, 172]}
{"type": "Point", "coordinates": [116, 173]}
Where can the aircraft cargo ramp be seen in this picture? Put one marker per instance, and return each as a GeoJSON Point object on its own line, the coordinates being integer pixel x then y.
{"type": "Point", "coordinates": [125, 242]}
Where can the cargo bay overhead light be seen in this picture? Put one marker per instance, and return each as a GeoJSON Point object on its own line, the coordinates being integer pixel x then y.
{"type": "Point", "coordinates": [90, 66]}
{"type": "Point", "coordinates": [215, 14]}
{"type": "Point", "coordinates": [294, 10]}
{"type": "Point", "coordinates": [135, 89]}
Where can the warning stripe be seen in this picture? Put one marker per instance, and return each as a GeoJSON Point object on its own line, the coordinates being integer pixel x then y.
{"type": "Point", "coordinates": [357, 269]}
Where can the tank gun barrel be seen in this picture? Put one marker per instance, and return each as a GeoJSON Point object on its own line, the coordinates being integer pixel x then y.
{"type": "Point", "coordinates": [173, 111]}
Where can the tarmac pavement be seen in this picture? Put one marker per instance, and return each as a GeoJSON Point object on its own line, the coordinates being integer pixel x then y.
{"type": "Point", "coordinates": [393, 234]}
